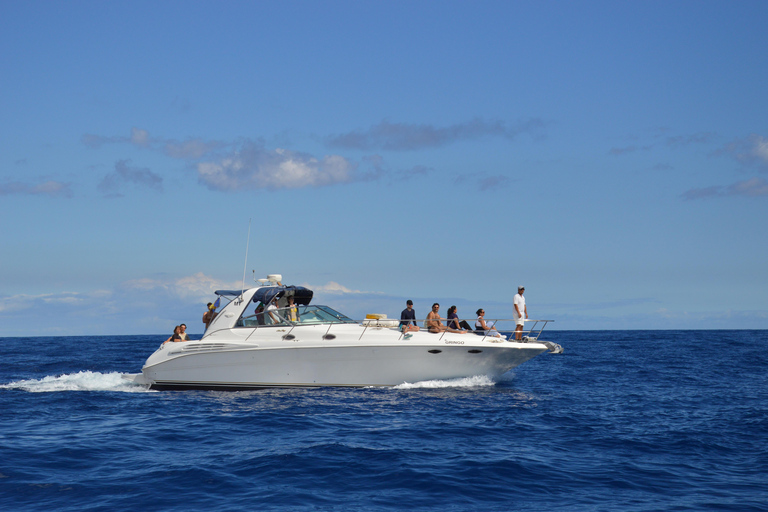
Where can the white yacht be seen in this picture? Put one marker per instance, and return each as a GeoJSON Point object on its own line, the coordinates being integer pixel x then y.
{"type": "Point", "coordinates": [256, 341]}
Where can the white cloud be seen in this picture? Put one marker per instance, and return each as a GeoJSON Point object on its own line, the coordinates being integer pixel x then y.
{"type": "Point", "coordinates": [483, 182]}
{"type": "Point", "coordinates": [140, 137]}
{"type": "Point", "coordinates": [250, 165]}
{"type": "Point", "coordinates": [47, 188]}
{"type": "Point", "coordinates": [200, 286]}
{"type": "Point", "coordinates": [254, 167]}
{"type": "Point", "coordinates": [628, 149]}
{"type": "Point", "coordinates": [408, 137]}
{"type": "Point", "coordinates": [332, 287]}
{"type": "Point", "coordinates": [69, 300]}
{"type": "Point", "coordinates": [190, 149]}
{"type": "Point", "coordinates": [753, 187]}
{"type": "Point", "coordinates": [761, 148]}
{"type": "Point", "coordinates": [15, 303]}
{"type": "Point", "coordinates": [125, 174]}
{"type": "Point", "coordinates": [47, 300]}
{"type": "Point", "coordinates": [139, 306]}
{"type": "Point", "coordinates": [197, 287]}
{"type": "Point", "coordinates": [751, 150]}
{"type": "Point", "coordinates": [676, 141]}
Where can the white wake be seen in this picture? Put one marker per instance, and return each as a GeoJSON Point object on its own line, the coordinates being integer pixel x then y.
{"type": "Point", "coordinates": [95, 381]}
{"type": "Point", "coordinates": [81, 381]}
{"type": "Point", "coordinates": [464, 382]}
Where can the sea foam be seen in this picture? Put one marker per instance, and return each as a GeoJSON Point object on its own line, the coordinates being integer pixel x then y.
{"type": "Point", "coordinates": [464, 382]}
{"type": "Point", "coordinates": [81, 381]}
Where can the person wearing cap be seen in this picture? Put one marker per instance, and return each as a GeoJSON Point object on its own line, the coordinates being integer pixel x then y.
{"type": "Point", "coordinates": [520, 312]}
{"type": "Point", "coordinates": [408, 318]}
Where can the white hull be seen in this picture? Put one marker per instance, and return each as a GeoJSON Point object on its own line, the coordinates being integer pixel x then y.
{"type": "Point", "coordinates": [234, 356]}
{"type": "Point", "coordinates": [365, 365]}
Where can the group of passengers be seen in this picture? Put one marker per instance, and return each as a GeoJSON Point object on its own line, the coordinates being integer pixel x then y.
{"type": "Point", "coordinates": [268, 314]}
{"type": "Point", "coordinates": [265, 315]}
{"type": "Point", "coordinates": [180, 331]}
{"type": "Point", "coordinates": [179, 334]}
{"type": "Point", "coordinates": [434, 322]}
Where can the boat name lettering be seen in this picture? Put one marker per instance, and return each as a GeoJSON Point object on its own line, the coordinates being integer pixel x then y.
{"type": "Point", "coordinates": [452, 342]}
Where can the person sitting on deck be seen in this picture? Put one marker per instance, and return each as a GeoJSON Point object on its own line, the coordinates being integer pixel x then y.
{"type": "Point", "coordinates": [176, 336]}
{"type": "Point", "coordinates": [453, 320]}
{"type": "Point", "coordinates": [408, 318]}
{"type": "Point", "coordinates": [434, 323]}
{"type": "Point", "coordinates": [485, 327]}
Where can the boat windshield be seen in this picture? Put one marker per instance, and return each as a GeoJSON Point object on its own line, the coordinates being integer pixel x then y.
{"type": "Point", "coordinates": [309, 315]}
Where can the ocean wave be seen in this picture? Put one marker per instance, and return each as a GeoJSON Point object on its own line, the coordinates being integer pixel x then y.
{"type": "Point", "coordinates": [464, 382]}
{"type": "Point", "coordinates": [81, 381]}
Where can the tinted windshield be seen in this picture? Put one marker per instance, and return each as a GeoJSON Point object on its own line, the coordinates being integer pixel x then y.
{"type": "Point", "coordinates": [322, 315]}
{"type": "Point", "coordinates": [307, 315]}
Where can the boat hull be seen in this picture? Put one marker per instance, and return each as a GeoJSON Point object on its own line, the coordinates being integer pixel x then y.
{"type": "Point", "coordinates": [231, 368]}
{"type": "Point", "coordinates": [321, 347]}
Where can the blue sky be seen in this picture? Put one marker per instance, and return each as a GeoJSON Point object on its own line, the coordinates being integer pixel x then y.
{"type": "Point", "coordinates": [610, 156]}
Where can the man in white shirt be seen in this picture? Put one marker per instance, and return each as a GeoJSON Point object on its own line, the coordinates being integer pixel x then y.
{"type": "Point", "coordinates": [520, 313]}
{"type": "Point", "coordinates": [272, 310]}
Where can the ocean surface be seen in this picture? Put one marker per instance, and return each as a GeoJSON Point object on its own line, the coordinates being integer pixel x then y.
{"type": "Point", "coordinates": [623, 420]}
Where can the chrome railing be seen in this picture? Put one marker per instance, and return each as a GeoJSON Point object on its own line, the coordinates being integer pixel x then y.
{"type": "Point", "coordinates": [504, 326]}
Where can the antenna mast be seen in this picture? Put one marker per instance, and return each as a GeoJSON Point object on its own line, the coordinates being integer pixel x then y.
{"type": "Point", "coordinates": [245, 266]}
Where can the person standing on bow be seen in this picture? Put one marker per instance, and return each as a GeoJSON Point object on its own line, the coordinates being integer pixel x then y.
{"type": "Point", "coordinates": [520, 312]}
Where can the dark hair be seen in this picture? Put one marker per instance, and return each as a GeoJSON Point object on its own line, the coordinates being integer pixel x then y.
{"type": "Point", "coordinates": [479, 311]}
{"type": "Point", "coordinates": [451, 309]}
{"type": "Point", "coordinates": [435, 304]}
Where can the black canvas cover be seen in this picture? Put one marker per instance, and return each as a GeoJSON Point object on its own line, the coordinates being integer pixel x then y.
{"type": "Point", "coordinates": [301, 296]}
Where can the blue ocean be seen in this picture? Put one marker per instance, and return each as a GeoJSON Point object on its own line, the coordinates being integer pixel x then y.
{"type": "Point", "coordinates": [623, 420]}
